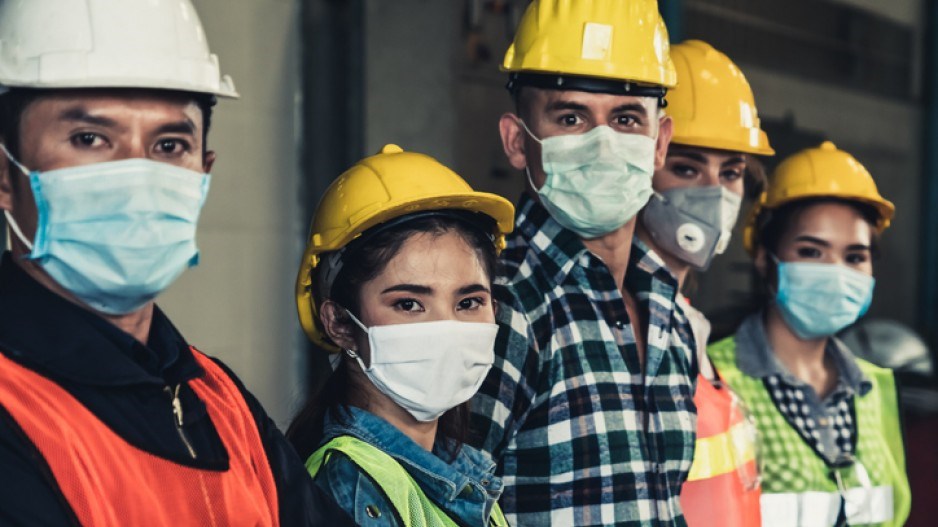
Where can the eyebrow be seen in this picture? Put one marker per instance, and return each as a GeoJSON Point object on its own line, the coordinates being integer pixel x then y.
{"type": "Point", "coordinates": [474, 288]}
{"type": "Point", "coordinates": [822, 243]}
{"type": "Point", "coordinates": [79, 114]}
{"type": "Point", "coordinates": [697, 156]}
{"type": "Point", "coordinates": [425, 290]}
{"type": "Point", "coordinates": [186, 126]}
{"type": "Point", "coordinates": [409, 288]}
{"type": "Point", "coordinates": [566, 105]}
{"type": "Point", "coordinates": [631, 107]}
{"type": "Point", "coordinates": [812, 239]}
{"type": "Point", "coordinates": [859, 247]}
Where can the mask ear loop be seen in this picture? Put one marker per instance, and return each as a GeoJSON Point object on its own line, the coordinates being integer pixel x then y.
{"type": "Point", "coordinates": [527, 169]}
{"type": "Point", "coordinates": [9, 217]}
{"type": "Point", "coordinates": [352, 354]}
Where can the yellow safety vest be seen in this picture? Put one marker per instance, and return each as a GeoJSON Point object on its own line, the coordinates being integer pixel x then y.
{"type": "Point", "coordinates": [799, 489]}
{"type": "Point", "coordinates": [408, 499]}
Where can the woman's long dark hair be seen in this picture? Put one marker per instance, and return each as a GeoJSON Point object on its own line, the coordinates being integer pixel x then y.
{"type": "Point", "coordinates": [364, 260]}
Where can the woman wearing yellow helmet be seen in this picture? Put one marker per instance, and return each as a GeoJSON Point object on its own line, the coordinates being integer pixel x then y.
{"type": "Point", "coordinates": [687, 222]}
{"type": "Point", "coordinates": [396, 281]}
{"type": "Point", "coordinates": [828, 422]}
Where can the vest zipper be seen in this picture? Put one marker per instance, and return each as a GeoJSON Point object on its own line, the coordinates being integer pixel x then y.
{"type": "Point", "coordinates": [177, 414]}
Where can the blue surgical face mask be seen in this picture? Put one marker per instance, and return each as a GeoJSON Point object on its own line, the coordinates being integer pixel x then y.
{"type": "Point", "coordinates": [817, 300]}
{"type": "Point", "coordinates": [597, 181]}
{"type": "Point", "coordinates": [115, 234]}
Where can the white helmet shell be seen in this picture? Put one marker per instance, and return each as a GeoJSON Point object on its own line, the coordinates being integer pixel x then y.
{"type": "Point", "coordinates": [156, 44]}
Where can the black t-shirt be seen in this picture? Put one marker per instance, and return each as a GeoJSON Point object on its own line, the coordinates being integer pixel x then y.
{"type": "Point", "coordinates": [129, 387]}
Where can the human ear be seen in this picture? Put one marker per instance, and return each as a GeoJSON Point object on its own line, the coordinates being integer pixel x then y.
{"type": "Point", "coordinates": [761, 262]}
{"type": "Point", "coordinates": [513, 140]}
{"type": "Point", "coordinates": [6, 185]}
{"type": "Point", "coordinates": [665, 131]}
{"type": "Point", "coordinates": [338, 326]}
{"type": "Point", "coordinates": [208, 161]}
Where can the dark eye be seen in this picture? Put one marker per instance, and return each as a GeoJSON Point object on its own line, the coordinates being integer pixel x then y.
{"type": "Point", "coordinates": [857, 258]}
{"type": "Point", "coordinates": [569, 119]}
{"type": "Point", "coordinates": [731, 175]}
{"type": "Point", "coordinates": [627, 121]}
{"type": "Point", "coordinates": [470, 303]}
{"type": "Point", "coordinates": [87, 139]}
{"type": "Point", "coordinates": [171, 146]}
{"type": "Point", "coordinates": [408, 304]}
{"type": "Point", "coordinates": [808, 252]}
{"type": "Point", "coordinates": [684, 171]}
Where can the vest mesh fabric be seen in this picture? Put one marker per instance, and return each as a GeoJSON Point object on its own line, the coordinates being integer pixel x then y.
{"type": "Point", "coordinates": [107, 481]}
{"type": "Point", "coordinates": [790, 465]}
{"type": "Point", "coordinates": [412, 505]}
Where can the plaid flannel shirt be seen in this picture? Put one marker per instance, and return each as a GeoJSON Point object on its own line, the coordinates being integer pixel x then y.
{"type": "Point", "coordinates": [581, 437]}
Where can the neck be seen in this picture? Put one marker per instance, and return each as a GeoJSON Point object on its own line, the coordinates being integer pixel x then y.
{"type": "Point", "coordinates": [136, 324]}
{"type": "Point", "coordinates": [424, 434]}
{"type": "Point", "coordinates": [678, 267]}
{"type": "Point", "coordinates": [803, 358]}
{"type": "Point", "coordinates": [614, 249]}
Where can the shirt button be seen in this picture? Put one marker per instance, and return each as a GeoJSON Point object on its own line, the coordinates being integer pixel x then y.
{"type": "Point", "coordinates": [620, 324]}
{"type": "Point", "coordinates": [373, 512]}
{"type": "Point", "coordinates": [485, 483]}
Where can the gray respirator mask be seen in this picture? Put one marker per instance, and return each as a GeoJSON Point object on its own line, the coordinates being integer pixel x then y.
{"type": "Point", "coordinates": [692, 223]}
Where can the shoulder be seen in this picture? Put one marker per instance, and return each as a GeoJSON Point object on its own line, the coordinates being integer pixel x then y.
{"type": "Point", "coordinates": [723, 354]}
{"type": "Point", "coordinates": [355, 492]}
{"type": "Point", "coordinates": [29, 495]}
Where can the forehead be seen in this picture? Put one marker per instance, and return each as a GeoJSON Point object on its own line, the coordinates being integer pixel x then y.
{"type": "Point", "coordinates": [708, 155]}
{"type": "Point", "coordinates": [598, 102]}
{"type": "Point", "coordinates": [433, 257]}
{"type": "Point", "coordinates": [831, 221]}
{"type": "Point", "coordinates": [120, 105]}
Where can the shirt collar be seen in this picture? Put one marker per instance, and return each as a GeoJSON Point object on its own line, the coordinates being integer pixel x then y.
{"type": "Point", "coordinates": [442, 481]}
{"type": "Point", "coordinates": [760, 361]}
{"type": "Point", "coordinates": [556, 247]}
{"type": "Point", "coordinates": [644, 262]}
{"type": "Point", "coordinates": [47, 332]}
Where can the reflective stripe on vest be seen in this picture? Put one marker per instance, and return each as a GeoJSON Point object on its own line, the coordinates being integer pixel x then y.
{"type": "Point", "coordinates": [412, 505]}
{"type": "Point", "coordinates": [107, 481]}
{"type": "Point", "coordinates": [722, 488]}
{"type": "Point", "coordinates": [792, 468]}
{"type": "Point", "coordinates": [722, 453]}
{"type": "Point", "coordinates": [820, 509]}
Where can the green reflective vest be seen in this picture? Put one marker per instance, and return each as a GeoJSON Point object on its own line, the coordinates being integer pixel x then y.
{"type": "Point", "coordinates": [413, 507]}
{"type": "Point", "coordinates": [799, 488]}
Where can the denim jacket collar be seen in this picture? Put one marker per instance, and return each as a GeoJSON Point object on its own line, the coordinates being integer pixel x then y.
{"type": "Point", "coordinates": [465, 486]}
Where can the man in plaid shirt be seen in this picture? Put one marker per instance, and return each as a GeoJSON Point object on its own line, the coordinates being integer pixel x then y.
{"type": "Point", "coordinates": [588, 408]}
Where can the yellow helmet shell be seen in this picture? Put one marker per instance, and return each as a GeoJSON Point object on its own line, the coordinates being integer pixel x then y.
{"type": "Point", "coordinates": [377, 189]}
{"type": "Point", "coordinates": [712, 105]}
{"type": "Point", "coordinates": [824, 171]}
{"type": "Point", "coordinates": [607, 39]}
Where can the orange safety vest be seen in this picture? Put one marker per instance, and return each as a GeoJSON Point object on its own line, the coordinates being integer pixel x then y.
{"type": "Point", "coordinates": [108, 481]}
{"type": "Point", "coordinates": [722, 487]}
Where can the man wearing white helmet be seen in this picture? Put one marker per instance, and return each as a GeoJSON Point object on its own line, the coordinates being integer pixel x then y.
{"type": "Point", "coordinates": [107, 415]}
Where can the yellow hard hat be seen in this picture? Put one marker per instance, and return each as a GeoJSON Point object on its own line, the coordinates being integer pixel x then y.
{"type": "Point", "coordinates": [821, 172]}
{"type": "Point", "coordinates": [379, 188]}
{"type": "Point", "coordinates": [614, 46]}
{"type": "Point", "coordinates": [712, 105]}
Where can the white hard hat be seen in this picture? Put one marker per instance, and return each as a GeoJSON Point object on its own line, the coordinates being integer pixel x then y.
{"type": "Point", "coordinates": [107, 44]}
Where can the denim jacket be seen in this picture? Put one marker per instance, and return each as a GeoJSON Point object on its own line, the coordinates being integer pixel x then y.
{"type": "Point", "coordinates": [465, 488]}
